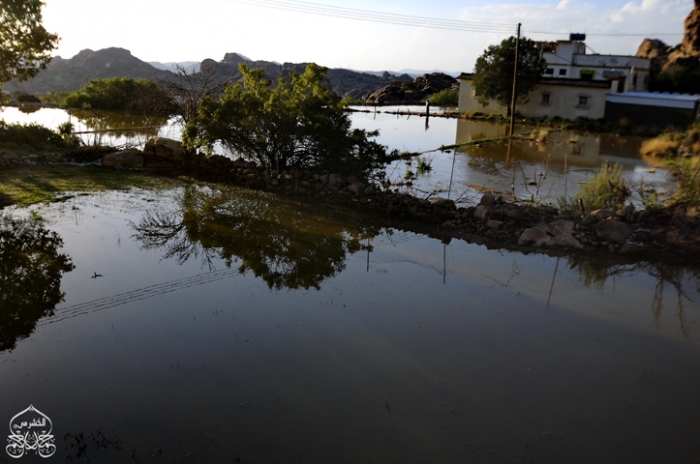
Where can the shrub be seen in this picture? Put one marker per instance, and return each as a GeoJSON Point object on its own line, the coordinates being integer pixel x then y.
{"type": "Point", "coordinates": [604, 190]}
{"type": "Point", "coordinates": [445, 98]}
{"type": "Point", "coordinates": [32, 135]}
{"type": "Point", "coordinates": [297, 124]}
{"type": "Point", "coordinates": [659, 146]}
{"type": "Point", "coordinates": [120, 94]}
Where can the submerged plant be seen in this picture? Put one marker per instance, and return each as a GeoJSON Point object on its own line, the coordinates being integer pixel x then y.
{"type": "Point", "coordinates": [424, 166]}
{"type": "Point", "coordinates": [605, 189]}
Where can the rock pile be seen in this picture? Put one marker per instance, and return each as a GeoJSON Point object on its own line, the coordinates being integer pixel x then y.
{"type": "Point", "coordinates": [414, 92]}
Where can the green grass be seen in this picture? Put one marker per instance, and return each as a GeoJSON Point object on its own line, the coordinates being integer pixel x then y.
{"type": "Point", "coordinates": [25, 185]}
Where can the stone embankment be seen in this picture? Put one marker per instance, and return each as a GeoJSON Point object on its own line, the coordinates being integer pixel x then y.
{"type": "Point", "coordinates": [674, 231]}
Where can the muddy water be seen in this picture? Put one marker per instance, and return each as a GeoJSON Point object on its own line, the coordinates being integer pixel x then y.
{"type": "Point", "coordinates": [202, 325]}
{"type": "Point", "coordinates": [542, 170]}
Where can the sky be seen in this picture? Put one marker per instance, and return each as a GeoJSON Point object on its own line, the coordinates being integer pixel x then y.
{"type": "Point", "coordinates": [193, 30]}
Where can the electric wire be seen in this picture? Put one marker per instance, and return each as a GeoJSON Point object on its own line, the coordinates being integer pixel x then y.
{"type": "Point", "coordinates": [417, 21]}
{"type": "Point", "coordinates": [387, 18]}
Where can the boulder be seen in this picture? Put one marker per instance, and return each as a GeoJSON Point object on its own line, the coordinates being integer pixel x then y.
{"type": "Point", "coordinates": [124, 159]}
{"type": "Point", "coordinates": [481, 212]}
{"type": "Point", "coordinates": [556, 234]}
{"type": "Point", "coordinates": [164, 149]}
{"type": "Point", "coordinates": [356, 188]}
{"type": "Point", "coordinates": [487, 200]}
{"type": "Point", "coordinates": [612, 231]}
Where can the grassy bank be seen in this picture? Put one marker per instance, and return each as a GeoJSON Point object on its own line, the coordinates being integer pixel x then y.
{"type": "Point", "coordinates": [25, 185]}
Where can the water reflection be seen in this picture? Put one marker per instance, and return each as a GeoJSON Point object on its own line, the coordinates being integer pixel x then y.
{"type": "Point", "coordinates": [128, 125]}
{"type": "Point", "coordinates": [31, 268]}
{"type": "Point", "coordinates": [549, 165]}
{"type": "Point", "coordinates": [677, 279]}
{"type": "Point", "coordinates": [287, 246]}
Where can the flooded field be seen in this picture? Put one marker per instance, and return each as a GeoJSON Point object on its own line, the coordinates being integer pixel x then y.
{"type": "Point", "coordinates": [549, 168]}
{"type": "Point", "coordinates": [204, 324]}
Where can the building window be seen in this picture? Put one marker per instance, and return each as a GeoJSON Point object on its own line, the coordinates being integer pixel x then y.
{"type": "Point", "coordinates": [562, 72]}
{"type": "Point", "coordinates": [587, 74]}
{"type": "Point", "coordinates": [549, 72]}
{"type": "Point", "coordinates": [583, 101]}
{"type": "Point", "coordinates": [545, 99]}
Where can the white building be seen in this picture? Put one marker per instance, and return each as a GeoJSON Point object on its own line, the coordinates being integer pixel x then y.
{"type": "Point", "coordinates": [568, 59]}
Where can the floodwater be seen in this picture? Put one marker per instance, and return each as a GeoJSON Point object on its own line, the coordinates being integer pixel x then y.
{"type": "Point", "coordinates": [543, 171]}
{"type": "Point", "coordinates": [220, 325]}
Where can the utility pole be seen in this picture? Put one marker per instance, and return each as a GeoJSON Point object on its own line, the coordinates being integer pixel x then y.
{"type": "Point", "coordinates": [515, 83]}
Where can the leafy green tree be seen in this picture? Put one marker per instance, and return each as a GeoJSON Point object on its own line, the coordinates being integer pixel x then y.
{"type": "Point", "coordinates": [24, 43]}
{"type": "Point", "coordinates": [445, 98]}
{"type": "Point", "coordinates": [142, 96]}
{"type": "Point", "coordinates": [297, 124]}
{"type": "Point", "coordinates": [677, 79]}
{"type": "Point", "coordinates": [493, 73]}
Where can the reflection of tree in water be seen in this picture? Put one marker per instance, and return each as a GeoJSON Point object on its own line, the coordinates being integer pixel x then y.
{"type": "Point", "coordinates": [128, 125]}
{"type": "Point", "coordinates": [666, 275]}
{"type": "Point", "coordinates": [30, 277]}
{"type": "Point", "coordinates": [286, 245]}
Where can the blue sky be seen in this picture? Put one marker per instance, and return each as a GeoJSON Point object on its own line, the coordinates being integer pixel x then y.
{"type": "Point", "coordinates": [192, 30]}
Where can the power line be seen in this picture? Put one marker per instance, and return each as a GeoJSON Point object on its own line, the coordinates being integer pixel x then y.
{"type": "Point", "coordinates": [299, 6]}
{"type": "Point", "coordinates": [373, 16]}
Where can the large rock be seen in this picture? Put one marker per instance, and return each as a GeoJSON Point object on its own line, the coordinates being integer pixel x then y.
{"type": "Point", "coordinates": [164, 149]}
{"type": "Point", "coordinates": [685, 55]}
{"type": "Point", "coordinates": [123, 159]}
{"type": "Point", "coordinates": [555, 234]}
{"type": "Point", "coordinates": [412, 92]}
{"type": "Point", "coordinates": [612, 231]}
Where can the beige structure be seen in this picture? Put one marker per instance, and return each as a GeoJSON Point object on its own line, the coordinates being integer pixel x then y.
{"type": "Point", "coordinates": [565, 98]}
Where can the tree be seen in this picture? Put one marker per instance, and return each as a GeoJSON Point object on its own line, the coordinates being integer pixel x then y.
{"type": "Point", "coordinates": [24, 43]}
{"type": "Point", "coordinates": [493, 73]}
{"type": "Point", "coordinates": [187, 89]}
{"type": "Point", "coordinates": [142, 96]}
{"type": "Point", "coordinates": [297, 124]}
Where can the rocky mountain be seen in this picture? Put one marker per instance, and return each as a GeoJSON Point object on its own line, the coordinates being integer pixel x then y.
{"type": "Point", "coordinates": [412, 92]}
{"type": "Point", "coordinates": [686, 54]}
{"type": "Point", "coordinates": [344, 82]}
{"type": "Point", "coordinates": [74, 73]}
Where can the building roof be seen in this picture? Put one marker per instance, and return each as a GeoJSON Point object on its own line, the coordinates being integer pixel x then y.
{"type": "Point", "coordinates": [668, 100]}
{"type": "Point", "coordinates": [564, 81]}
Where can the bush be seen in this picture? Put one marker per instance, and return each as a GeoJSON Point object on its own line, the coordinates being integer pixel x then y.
{"type": "Point", "coordinates": [446, 98]}
{"type": "Point", "coordinates": [32, 135]}
{"type": "Point", "coordinates": [297, 124]}
{"type": "Point", "coordinates": [678, 79]}
{"type": "Point", "coordinates": [120, 94]}
{"type": "Point", "coordinates": [604, 190]}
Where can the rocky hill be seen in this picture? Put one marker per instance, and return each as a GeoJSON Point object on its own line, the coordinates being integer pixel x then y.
{"type": "Point", "coordinates": [686, 54]}
{"type": "Point", "coordinates": [74, 73]}
{"type": "Point", "coordinates": [343, 82]}
{"type": "Point", "coordinates": [412, 92]}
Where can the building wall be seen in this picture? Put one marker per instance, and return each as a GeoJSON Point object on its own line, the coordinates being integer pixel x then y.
{"type": "Point", "coordinates": [563, 101]}
{"type": "Point", "coordinates": [469, 103]}
{"type": "Point", "coordinates": [650, 116]}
